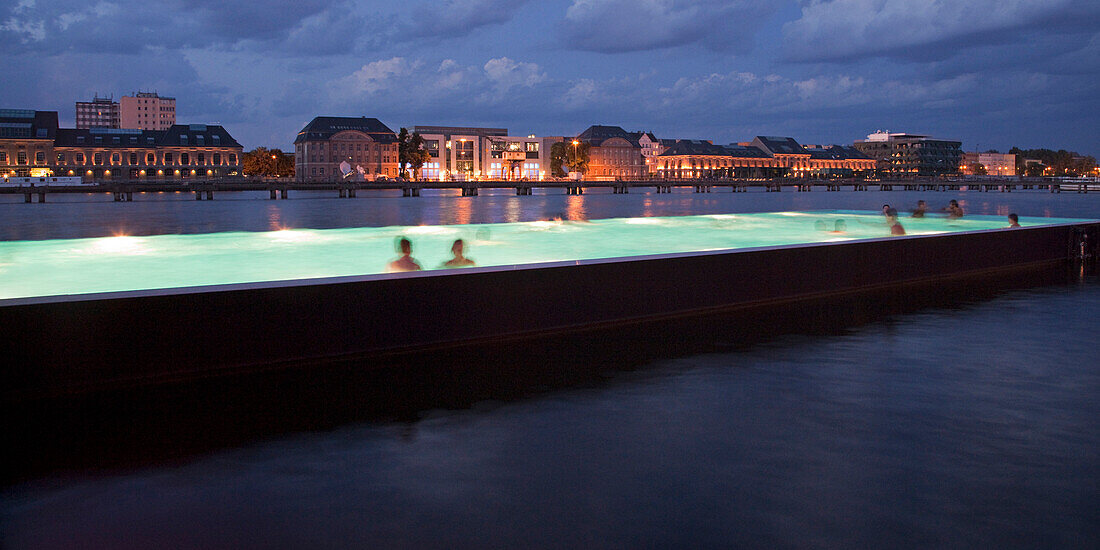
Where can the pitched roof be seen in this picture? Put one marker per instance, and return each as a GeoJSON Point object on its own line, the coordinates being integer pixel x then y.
{"type": "Point", "coordinates": [324, 127]}
{"type": "Point", "coordinates": [185, 135]}
{"type": "Point", "coordinates": [778, 145]}
{"type": "Point", "coordinates": [597, 134]}
{"type": "Point", "coordinates": [836, 152]}
{"type": "Point", "coordinates": [749, 152]}
{"type": "Point", "coordinates": [173, 135]}
{"type": "Point", "coordinates": [696, 147]}
{"type": "Point", "coordinates": [25, 123]}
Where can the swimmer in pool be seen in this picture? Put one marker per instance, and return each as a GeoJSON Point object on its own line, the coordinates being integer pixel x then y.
{"type": "Point", "coordinates": [459, 260]}
{"type": "Point", "coordinates": [954, 211]}
{"type": "Point", "coordinates": [405, 262]}
{"type": "Point", "coordinates": [1013, 221]}
{"type": "Point", "coordinates": [892, 220]}
{"type": "Point", "coordinates": [921, 209]}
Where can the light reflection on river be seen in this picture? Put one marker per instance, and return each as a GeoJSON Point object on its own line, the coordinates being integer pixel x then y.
{"type": "Point", "coordinates": [71, 216]}
{"type": "Point", "coordinates": [975, 426]}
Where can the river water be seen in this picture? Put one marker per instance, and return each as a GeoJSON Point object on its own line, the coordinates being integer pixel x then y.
{"type": "Point", "coordinates": [973, 424]}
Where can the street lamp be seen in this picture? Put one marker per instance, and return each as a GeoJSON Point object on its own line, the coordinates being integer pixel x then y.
{"type": "Point", "coordinates": [575, 144]}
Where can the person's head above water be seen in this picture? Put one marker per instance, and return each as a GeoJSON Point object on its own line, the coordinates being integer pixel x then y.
{"type": "Point", "coordinates": [405, 246]}
{"type": "Point", "coordinates": [920, 204]}
{"type": "Point", "coordinates": [457, 247]}
{"type": "Point", "coordinates": [891, 214]}
{"type": "Point", "coordinates": [1013, 220]}
{"type": "Point", "coordinates": [954, 203]}
{"type": "Point", "coordinates": [885, 207]}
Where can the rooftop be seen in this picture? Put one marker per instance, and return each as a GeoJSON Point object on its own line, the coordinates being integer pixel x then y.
{"type": "Point", "coordinates": [324, 127]}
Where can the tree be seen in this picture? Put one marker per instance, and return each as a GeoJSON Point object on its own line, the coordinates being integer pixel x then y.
{"type": "Point", "coordinates": [267, 163]}
{"type": "Point", "coordinates": [402, 152]}
{"type": "Point", "coordinates": [410, 152]}
{"type": "Point", "coordinates": [416, 154]}
{"type": "Point", "coordinates": [978, 169]}
{"type": "Point", "coordinates": [572, 154]}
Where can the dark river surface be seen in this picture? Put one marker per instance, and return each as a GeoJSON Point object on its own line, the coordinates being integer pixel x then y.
{"type": "Point", "coordinates": [974, 423]}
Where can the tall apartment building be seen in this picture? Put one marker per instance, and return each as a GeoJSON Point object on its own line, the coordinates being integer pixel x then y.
{"type": "Point", "coordinates": [900, 154]}
{"type": "Point", "coordinates": [100, 112]}
{"type": "Point", "coordinates": [147, 111]}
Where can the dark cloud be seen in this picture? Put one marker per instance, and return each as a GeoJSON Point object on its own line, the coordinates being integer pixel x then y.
{"type": "Point", "coordinates": [614, 26]}
{"type": "Point", "coordinates": [1000, 73]}
{"type": "Point", "coordinates": [917, 30]}
{"type": "Point", "coordinates": [453, 18]}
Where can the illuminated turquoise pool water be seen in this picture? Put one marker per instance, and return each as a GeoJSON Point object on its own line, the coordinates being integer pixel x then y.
{"type": "Point", "coordinates": [119, 263]}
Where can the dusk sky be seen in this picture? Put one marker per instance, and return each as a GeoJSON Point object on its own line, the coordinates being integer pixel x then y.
{"type": "Point", "coordinates": [992, 73]}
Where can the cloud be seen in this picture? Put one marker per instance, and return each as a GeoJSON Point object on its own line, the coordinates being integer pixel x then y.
{"type": "Point", "coordinates": [453, 18]}
{"type": "Point", "coordinates": [838, 30]}
{"type": "Point", "coordinates": [378, 75]}
{"type": "Point", "coordinates": [613, 26]}
{"type": "Point", "coordinates": [506, 74]}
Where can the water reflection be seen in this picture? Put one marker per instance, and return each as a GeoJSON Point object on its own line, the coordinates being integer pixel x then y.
{"type": "Point", "coordinates": [574, 208]}
{"type": "Point", "coordinates": [77, 216]}
{"type": "Point", "coordinates": [871, 436]}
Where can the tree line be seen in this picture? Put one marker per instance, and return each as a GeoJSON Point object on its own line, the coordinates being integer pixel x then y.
{"type": "Point", "coordinates": [1060, 162]}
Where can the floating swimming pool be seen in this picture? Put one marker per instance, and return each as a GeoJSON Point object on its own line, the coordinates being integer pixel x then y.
{"type": "Point", "coordinates": [121, 263]}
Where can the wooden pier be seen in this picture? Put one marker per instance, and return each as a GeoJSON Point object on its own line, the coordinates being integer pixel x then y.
{"type": "Point", "coordinates": [124, 191]}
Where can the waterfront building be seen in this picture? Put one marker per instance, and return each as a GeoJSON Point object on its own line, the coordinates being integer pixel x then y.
{"type": "Point", "coordinates": [31, 144]}
{"type": "Point", "coordinates": [785, 152]}
{"type": "Point", "coordinates": [763, 157]}
{"type": "Point", "coordinates": [651, 149]}
{"type": "Point", "coordinates": [26, 142]}
{"type": "Point", "coordinates": [996, 164]}
{"type": "Point", "coordinates": [366, 144]}
{"type": "Point", "coordinates": [180, 153]}
{"type": "Point", "coordinates": [472, 153]}
{"type": "Point", "coordinates": [100, 112]}
{"type": "Point", "coordinates": [613, 154]}
{"type": "Point", "coordinates": [837, 161]}
{"type": "Point", "coordinates": [147, 111]}
{"type": "Point", "coordinates": [901, 154]}
{"type": "Point", "coordinates": [459, 152]}
{"type": "Point", "coordinates": [513, 157]}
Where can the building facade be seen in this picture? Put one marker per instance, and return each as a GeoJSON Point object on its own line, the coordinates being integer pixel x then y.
{"type": "Point", "coordinates": [613, 154]}
{"type": "Point", "coordinates": [100, 112]}
{"type": "Point", "coordinates": [367, 145]}
{"type": "Point", "coordinates": [472, 153]}
{"type": "Point", "coordinates": [180, 153]}
{"type": "Point", "coordinates": [26, 142]}
{"type": "Point", "coordinates": [461, 152]}
{"type": "Point", "coordinates": [31, 144]}
{"type": "Point", "coordinates": [147, 111]}
{"type": "Point", "coordinates": [651, 149]}
{"type": "Point", "coordinates": [995, 164]}
{"type": "Point", "coordinates": [908, 155]}
{"type": "Point", "coordinates": [764, 157]}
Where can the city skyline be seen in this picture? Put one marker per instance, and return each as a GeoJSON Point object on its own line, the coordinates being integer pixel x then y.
{"type": "Point", "coordinates": [993, 75]}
